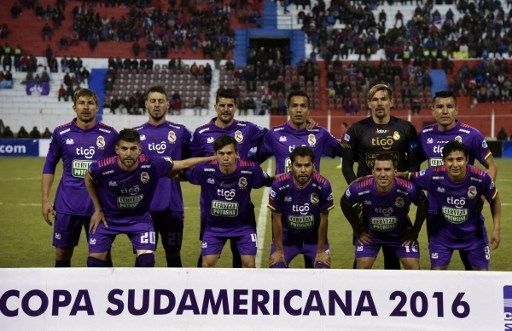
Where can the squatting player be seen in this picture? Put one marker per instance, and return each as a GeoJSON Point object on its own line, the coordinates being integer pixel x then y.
{"type": "Point", "coordinates": [226, 208]}
{"type": "Point", "coordinates": [455, 219]}
{"type": "Point", "coordinates": [385, 201]}
{"type": "Point", "coordinates": [378, 134]}
{"type": "Point", "coordinates": [159, 138]}
{"type": "Point", "coordinates": [121, 188]}
{"type": "Point", "coordinates": [248, 136]}
{"type": "Point", "coordinates": [78, 143]}
{"type": "Point", "coordinates": [300, 201]}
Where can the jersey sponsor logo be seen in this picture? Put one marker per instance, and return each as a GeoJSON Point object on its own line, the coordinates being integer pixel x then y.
{"type": "Point", "coordinates": [64, 131]}
{"type": "Point", "coordinates": [457, 202]}
{"type": "Point", "coordinates": [472, 192]}
{"type": "Point", "coordinates": [87, 152]}
{"type": "Point", "coordinates": [104, 173]}
{"type": "Point", "coordinates": [283, 139]}
{"type": "Point", "coordinates": [385, 211]}
{"type": "Point", "coordinates": [301, 209]}
{"type": "Point", "coordinates": [70, 141]}
{"type": "Point", "coordinates": [134, 190]}
{"type": "Point", "coordinates": [383, 224]}
{"type": "Point", "coordinates": [147, 166]}
{"type": "Point", "coordinates": [440, 189]}
{"type": "Point", "coordinates": [286, 198]}
{"type": "Point", "coordinates": [159, 148]}
{"type": "Point", "coordinates": [385, 143]}
{"type": "Point", "coordinates": [239, 137]}
{"type": "Point", "coordinates": [129, 202]}
{"type": "Point", "coordinates": [438, 149]}
{"type": "Point", "coordinates": [79, 168]}
{"type": "Point", "coordinates": [112, 183]}
{"type": "Point", "coordinates": [382, 131]}
{"type": "Point", "coordinates": [311, 140]}
{"type": "Point", "coordinates": [226, 194]}
{"type": "Point", "coordinates": [224, 208]}
{"type": "Point", "coordinates": [100, 142]}
{"type": "Point", "coordinates": [435, 161]}
{"type": "Point", "coordinates": [301, 222]}
{"type": "Point", "coordinates": [242, 183]}
{"type": "Point", "coordinates": [210, 181]}
{"type": "Point", "coordinates": [171, 137]}
{"type": "Point", "coordinates": [456, 215]}
{"type": "Point", "coordinates": [363, 192]}
{"type": "Point", "coordinates": [314, 199]}
{"type": "Point", "coordinates": [144, 177]}
{"type": "Point", "coordinates": [464, 131]}
{"type": "Point", "coordinates": [105, 130]}
{"type": "Point", "coordinates": [209, 170]}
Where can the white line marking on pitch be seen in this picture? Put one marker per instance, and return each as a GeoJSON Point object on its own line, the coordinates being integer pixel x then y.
{"type": "Point", "coordinates": [261, 227]}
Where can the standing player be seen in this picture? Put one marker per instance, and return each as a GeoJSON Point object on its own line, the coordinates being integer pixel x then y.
{"type": "Point", "coordinates": [226, 207]}
{"type": "Point", "coordinates": [385, 201]}
{"type": "Point", "coordinates": [447, 128]}
{"type": "Point", "coordinates": [247, 135]}
{"type": "Point", "coordinates": [380, 133]}
{"type": "Point", "coordinates": [121, 188]}
{"type": "Point", "coordinates": [159, 138]}
{"type": "Point", "coordinates": [455, 209]}
{"type": "Point", "coordinates": [300, 201]}
{"type": "Point", "coordinates": [78, 143]}
{"type": "Point", "coordinates": [281, 140]}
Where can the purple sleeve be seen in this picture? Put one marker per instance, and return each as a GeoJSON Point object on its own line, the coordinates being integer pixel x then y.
{"type": "Point", "coordinates": [331, 146]}
{"type": "Point", "coordinates": [327, 198]}
{"type": "Point", "coordinates": [195, 175]}
{"type": "Point", "coordinates": [274, 199]}
{"type": "Point", "coordinates": [54, 154]}
{"type": "Point", "coordinates": [351, 193]}
{"type": "Point", "coordinates": [186, 146]}
{"type": "Point", "coordinates": [265, 150]}
{"type": "Point", "coordinates": [196, 145]}
{"type": "Point", "coordinates": [481, 149]}
{"type": "Point", "coordinates": [422, 178]}
{"type": "Point", "coordinates": [490, 190]}
{"type": "Point", "coordinates": [261, 178]}
{"type": "Point", "coordinates": [162, 165]}
{"type": "Point", "coordinates": [93, 170]}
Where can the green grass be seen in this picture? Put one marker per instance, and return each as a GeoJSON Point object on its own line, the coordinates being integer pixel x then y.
{"type": "Point", "coordinates": [26, 238]}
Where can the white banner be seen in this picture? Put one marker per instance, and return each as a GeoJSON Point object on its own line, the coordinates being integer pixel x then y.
{"type": "Point", "coordinates": [214, 299]}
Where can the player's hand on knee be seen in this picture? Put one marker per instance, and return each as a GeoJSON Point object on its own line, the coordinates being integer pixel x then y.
{"type": "Point", "coordinates": [276, 257]}
{"type": "Point", "coordinates": [48, 212]}
{"type": "Point", "coordinates": [409, 237]}
{"type": "Point", "coordinates": [97, 218]}
{"type": "Point", "coordinates": [323, 257]}
{"type": "Point", "coordinates": [363, 238]}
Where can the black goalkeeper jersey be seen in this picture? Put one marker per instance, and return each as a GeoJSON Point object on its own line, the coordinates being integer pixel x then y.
{"type": "Point", "coordinates": [366, 139]}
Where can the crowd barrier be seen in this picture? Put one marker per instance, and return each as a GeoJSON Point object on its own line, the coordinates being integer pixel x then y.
{"type": "Point", "coordinates": [261, 299]}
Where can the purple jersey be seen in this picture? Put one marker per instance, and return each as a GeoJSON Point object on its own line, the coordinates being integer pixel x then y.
{"type": "Point", "coordinates": [456, 212]}
{"type": "Point", "coordinates": [280, 141]}
{"type": "Point", "coordinates": [226, 199]}
{"type": "Point", "coordinates": [432, 142]}
{"type": "Point", "coordinates": [301, 207]}
{"type": "Point", "coordinates": [77, 148]}
{"type": "Point", "coordinates": [248, 135]}
{"type": "Point", "coordinates": [385, 216]}
{"type": "Point", "coordinates": [127, 193]}
{"type": "Point", "coordinates": [166, 140]}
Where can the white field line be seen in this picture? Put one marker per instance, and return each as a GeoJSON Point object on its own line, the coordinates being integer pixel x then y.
{"type": "Point", "coordinates": [261, 227]}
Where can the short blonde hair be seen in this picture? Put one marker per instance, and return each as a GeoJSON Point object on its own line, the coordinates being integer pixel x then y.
{"type": "Point", "coordinates": [379, 87]}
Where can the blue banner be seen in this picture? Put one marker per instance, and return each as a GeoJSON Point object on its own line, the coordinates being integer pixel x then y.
{"type": "Point", "coordinates": [19, 147]}
{"type": "Point", "coordinates": [34, 88]}
{"type": "Point", "coordinates": [507, 149]}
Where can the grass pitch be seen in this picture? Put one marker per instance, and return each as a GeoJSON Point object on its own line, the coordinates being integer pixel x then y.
{"type": "Point", "coordinates": [26, 238]}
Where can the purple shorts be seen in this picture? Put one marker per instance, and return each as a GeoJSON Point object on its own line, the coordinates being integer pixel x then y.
{"type": "Point", "coordinates": [371, 250]}
{"type": "Point", "coordinates": [292, 249]}
{"type": "Point", "coordinates": [169, 225]}
{"type": "Point", "coordinates": [478, 255]}
{"type": "Point", "coordinates": [212, 244]}
{"type": "Point", "coordinates": [141, 234]}
{"type": "Point", "coordinates": [67, 229]}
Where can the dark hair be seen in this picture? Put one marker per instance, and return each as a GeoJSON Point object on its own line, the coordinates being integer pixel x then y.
{"type": "Point", "coordinates": [298, 93]}
{"type": "Point", "coordinates": [302, 151]}
{"type": "Point", "coordinates": [84, 92]}
{"type": "Point", "coordinates": [386, 157]}
{"type": "Point", "coordinates": [224, 141]}
{"type": "Point", "coordinates": [225, 93]}
{"type": "Point", "coordinates": [454, 146]}
{"type": "Point", "coordinates": [156, 88]}
{"type": "Point", "coordinates": [129, 135]}
{"type": "Point", "coordinates": [444, 94]}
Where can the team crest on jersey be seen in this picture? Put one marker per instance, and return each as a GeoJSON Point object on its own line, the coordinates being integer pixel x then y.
{"type": "Point", "coordinates": [242, 182]}
{"type": "Point", "coordinates": [144, 177]}
{"type": "Point", "coordinates": [458, 138]}
{"type": "Point", "coordinates": [210, 140]}
{"type": "Point", "coordinates": [314, 199]}
{"type": "Point", "coordinates": [472, 192]}
{"type": "Point", "coordinates": [239, 137]}
{"type": "Point", "coordinates": [399, 202]}
{"type": "Point", "coordinates": [396, 135]}
{"type": "Point", "coordinates": [430, 141]}
{"type": "Point", "coordinates": [171, 136]}
{"type": "Point", "coordinates": [100, 142]}
{"type": "Point", "coordinates": [311, 140]}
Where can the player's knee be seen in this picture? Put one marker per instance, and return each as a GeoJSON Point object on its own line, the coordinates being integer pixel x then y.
{"type": "Point", "coordinates": [93, 262]}
{"type": "Point", "coordinates": [63, 254]}
{"type": "Point", "coordinates": [145, 260]}
{"type": "Point", "coordinates": [62, 264]}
